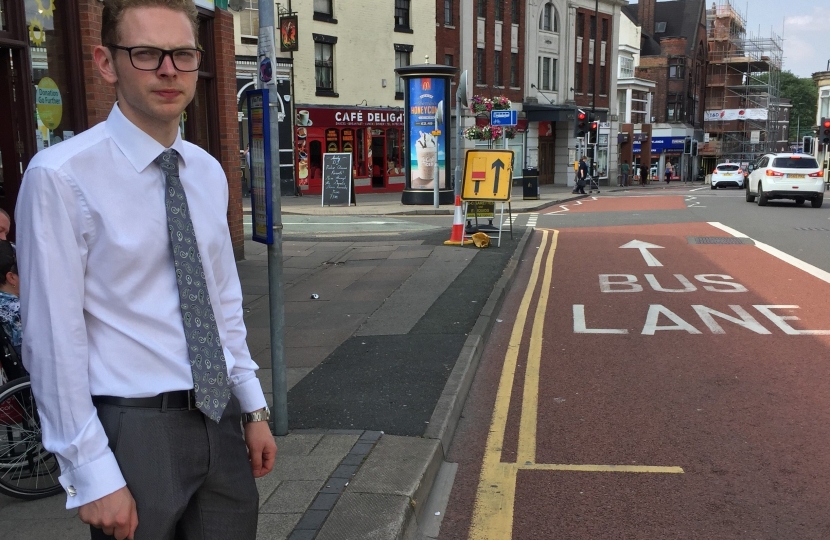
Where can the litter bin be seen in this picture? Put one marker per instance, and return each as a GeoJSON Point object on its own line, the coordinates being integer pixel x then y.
{"type": "Point", "coordinates": [530, 183]}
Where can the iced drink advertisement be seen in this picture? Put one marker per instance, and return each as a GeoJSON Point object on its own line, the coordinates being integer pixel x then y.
{"type": "Point", "coordinates": [427, 141]}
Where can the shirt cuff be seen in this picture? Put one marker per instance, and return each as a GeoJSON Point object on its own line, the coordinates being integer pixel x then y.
{"type": "Point", "coordinates": [92, 481]}
{"type": "Point", "coordinates": [249, 394]}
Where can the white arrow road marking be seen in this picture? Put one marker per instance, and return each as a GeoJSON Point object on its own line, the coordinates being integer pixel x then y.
{"type": "Point", "coordinates": [644, 247]}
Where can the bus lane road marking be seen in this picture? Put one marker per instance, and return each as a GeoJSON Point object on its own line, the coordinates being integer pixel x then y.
{"type": "Point", "coordinates": [495, 497]}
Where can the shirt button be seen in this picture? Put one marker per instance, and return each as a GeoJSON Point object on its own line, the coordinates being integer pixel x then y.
{"type": "Point", "coordinates": [71, 491]}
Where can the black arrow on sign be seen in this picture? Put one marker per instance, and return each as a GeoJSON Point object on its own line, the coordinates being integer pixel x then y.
{"type": "Point", "coordinates": [498, 165]}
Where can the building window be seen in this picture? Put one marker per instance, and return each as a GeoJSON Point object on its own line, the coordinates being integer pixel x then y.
{"type": "Point", "coordinates": [402, 14]}
{"type": "Point", "coordinates": [480, 79]}
{"type": "Point", "coordinates": [401, 60]}
{"type": "Point", "coordinates": [824, 104]}
{"type": "Point", "coordinates": [448, 12]}
{"type": "Point", "coordinates": [324, 66]}
{"type": "Point", "coordinates": [626, 67]}
{"type": "Point", "coordinates": [514, 70]}
{"type": "Point", "coordinates": [550, 19]}
{"type": "Point", "coordinates": [546, 79]}
{"type": "Point", "coordinates": [497, 79]}
{"type": "Point", "coordinates": [592, 76]}
{"type": "Point", "coordinates": [323, 7]}
{"type": "Point", "coordinates": [674, 107]}
{"type": "Point", "coordinates": [499, 10]}
{"type": "Point", "coordinates": [249, 19]}
{"type": "Point", "coordinates": [604, 29]}
{"type": "Point", "coordinates": [603, 80]}
{"type": "Point", "coordinates": [593, 27]}
{"type": "Point", "coordinates": [482, 8]}
{"type": "Point", "coordinates": [580, 25]}
{"type": "Point", "coordinates": [676, 67]}
{"type": "Point", "coordinates": [578, 78]}
{"type": "Point", "coordinates": [448, 60]}
{"type": "Point", "coordinates": [515, 15]}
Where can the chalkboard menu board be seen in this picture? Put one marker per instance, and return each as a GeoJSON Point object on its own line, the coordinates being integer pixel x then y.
{"type": "Point", "coordinates": [337, 179]}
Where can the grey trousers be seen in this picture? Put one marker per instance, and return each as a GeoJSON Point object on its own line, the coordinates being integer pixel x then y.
{"type": "Point", "coordinates": [190, 477]}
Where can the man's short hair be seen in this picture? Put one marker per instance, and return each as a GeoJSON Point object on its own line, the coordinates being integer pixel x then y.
{"type": "Point", "coordinates": [114, 11]}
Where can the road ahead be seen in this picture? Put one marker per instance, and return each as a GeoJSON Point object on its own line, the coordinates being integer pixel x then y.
{"type": "Point", "coordinates": [660, 372]}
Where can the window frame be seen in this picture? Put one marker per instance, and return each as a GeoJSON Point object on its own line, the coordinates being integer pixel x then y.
{"type": "Point", "coordinates": [449, 15]}
{"type": "Point", "coordinates": [623, 70]}
{"type": "Point", "coordinates": [481, 74]}
{"type": "Point", "coordinates": [515, 12]}
{"type": "Point", "coordinates": [549, 18]}
{"type": "Point", "coordinates": [323, 90]}
{"type": "Point", "coordinates": [514, 70]}
{"type": "Point", "coordinates": [677, 67]}
{"type": "Point", "coordinates": [498, 79]}
{"type": "Point", "coordinates": [674, 107]}
{"type": "Point", "coordinates": [499, 10]}
{"type": "Point", "coordinates": [246, 12]}
{"type": "Point", "coordinates": [399, 81]}
{"type": "Point", "coordinates": [403, 10]}
{"type": "Point", "coordinates": [329, 13]}
{"type": "Point", "coordinates": [481, 9]}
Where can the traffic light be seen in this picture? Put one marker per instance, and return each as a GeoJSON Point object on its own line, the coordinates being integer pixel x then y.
{"type": "Point", "coordinates": [594, 129]}
{"type": "Point", "coordinates": [694, 148]}
{"type": "Point", "coordinates": [807, 144]}
{"type": "Point", "coordinates": [824, 131]}
{"type": "Point", "coordinates": [580, 124]}
{"type": "Point", "coordinates": [687, 145]}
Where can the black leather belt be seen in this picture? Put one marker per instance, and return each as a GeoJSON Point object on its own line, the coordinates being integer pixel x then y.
{"type": "Point", "coordinates": [179, 399]}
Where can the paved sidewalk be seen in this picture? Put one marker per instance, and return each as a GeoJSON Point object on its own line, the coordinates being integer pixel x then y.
{"type": "Point", "coordinates": [344, 483]}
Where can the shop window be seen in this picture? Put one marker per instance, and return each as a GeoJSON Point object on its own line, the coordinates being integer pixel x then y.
{"type": "Point", "coordinates": [402, 15]}
{"type": "Point", "coordinates": [402, 59]}
{"type": "Point", "coordinates": [497, 79]}
{"type": "Point", "coordinates": [249, 19]}
{"type": "Point", "coordinates": [360, 158]}
{"type": "Point", "coordinates": [394, 158]}
{"type": "Point", "coordinates": [515, 14]}
{"type": "Point", "coordinates": [324, 67]}
{"type": "Point", "coordinates": [448, 12]}
{"type": "Point", "coordinates": [482, 8]}
{"type": "Point", "coordinates": [499, 10]}
{"type": "Point", "coordinates": [676, 67]}
{"type": "Point", "coordinates": [315, 159]}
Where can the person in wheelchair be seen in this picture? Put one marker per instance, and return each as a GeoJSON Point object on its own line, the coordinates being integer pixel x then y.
{"type": "Point", "coordinates": [10, 310]}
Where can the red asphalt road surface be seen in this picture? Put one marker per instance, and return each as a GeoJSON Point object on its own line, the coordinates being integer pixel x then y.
{"type": "Point", "coordinates": [746, 415]}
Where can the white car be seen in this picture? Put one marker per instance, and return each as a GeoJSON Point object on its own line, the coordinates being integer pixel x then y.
{"type": "Point", "coordinates": [786, 176]}
{"type": "Point", "coordinates": [727, 175]}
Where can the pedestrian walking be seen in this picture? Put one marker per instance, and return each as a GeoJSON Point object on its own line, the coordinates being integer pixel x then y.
{"type": "Point", "coordinates": [667, 174]}
{"type": "Point", "coordinates": [132, 325]}
{"type": "Point", "coordinates": [581, 176]}
{"type": "Point", "coordinates": [624, 170]}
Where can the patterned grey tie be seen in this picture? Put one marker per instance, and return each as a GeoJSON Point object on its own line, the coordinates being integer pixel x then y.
{"type": "Point", "coordinates": [207, 360]}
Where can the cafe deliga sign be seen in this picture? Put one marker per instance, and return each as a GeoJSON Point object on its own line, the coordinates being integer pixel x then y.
{"type": "Point", "coordinates": [349, 116]}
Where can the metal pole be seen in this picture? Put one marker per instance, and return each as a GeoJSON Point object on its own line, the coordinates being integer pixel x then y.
{"type": "Point", "coordinates": [276, 293]}
{"type": "Point", "coordinates": [459, 128]}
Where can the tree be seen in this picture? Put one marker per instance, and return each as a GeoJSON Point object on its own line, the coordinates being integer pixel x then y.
{"type": "Point", "coordinates": [803, 94]}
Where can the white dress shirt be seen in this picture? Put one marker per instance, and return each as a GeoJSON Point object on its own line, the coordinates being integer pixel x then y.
{"type": "Point", "coordinates": [99, 300]}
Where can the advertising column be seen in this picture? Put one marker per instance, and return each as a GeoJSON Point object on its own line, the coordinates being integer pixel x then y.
{"type": "Point", "coordinates": [426, 122]}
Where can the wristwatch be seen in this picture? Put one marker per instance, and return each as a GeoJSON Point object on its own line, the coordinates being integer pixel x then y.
{"type": "Point", "coordinates": [262, 415]}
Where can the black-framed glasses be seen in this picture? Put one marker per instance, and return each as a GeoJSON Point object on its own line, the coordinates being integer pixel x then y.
{"type": "Point", "coordinates": [150, 58]}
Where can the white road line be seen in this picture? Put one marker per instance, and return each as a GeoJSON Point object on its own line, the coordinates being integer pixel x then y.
{"type": "Point", "coordinates": [778, 254]}
{"type": "Point", "coordinates": [697, 189]}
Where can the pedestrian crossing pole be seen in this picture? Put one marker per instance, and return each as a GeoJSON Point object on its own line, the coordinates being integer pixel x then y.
{"type": "Point", "coordinates": [279, 385]}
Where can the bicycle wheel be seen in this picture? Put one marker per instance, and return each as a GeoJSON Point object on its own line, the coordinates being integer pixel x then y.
{"type": "Point", "coordinates": [27, 470]}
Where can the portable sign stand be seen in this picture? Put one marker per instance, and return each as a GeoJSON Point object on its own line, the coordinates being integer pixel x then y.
{"type": "Point", "coordinates": [488, 176]}
{"type": "Point", "coordinates": [337, 179]}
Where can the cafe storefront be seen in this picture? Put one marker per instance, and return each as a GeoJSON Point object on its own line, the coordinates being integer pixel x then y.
{"type": "Point", "coordinates": [374, 137]}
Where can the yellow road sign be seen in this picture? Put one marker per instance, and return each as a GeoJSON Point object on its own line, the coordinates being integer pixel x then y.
{"type": "Point", "coordinates": [488, 175]}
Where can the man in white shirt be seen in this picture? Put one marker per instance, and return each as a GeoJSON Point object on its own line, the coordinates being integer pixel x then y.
{"type": "Point", "coordinates": [132, 307]}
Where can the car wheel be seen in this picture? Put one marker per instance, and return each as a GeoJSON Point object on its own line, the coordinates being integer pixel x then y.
{"type": "Point", "coordinates": [749, 196]}
{"type": "Point", "coordinates": [799, 201]}
{"type": "Point", "coordinates": [762, 197]}
{"type": "Point", "coordinates": [713, 186]}
{"type": "Point", "coordinates": [817, 202]}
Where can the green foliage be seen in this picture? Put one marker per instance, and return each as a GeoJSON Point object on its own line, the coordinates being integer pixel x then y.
{"type": "Point", "coordinates": [803, 93]}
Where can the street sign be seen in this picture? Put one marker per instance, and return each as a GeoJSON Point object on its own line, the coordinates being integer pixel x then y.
{"type": "Point", "coordinates": [488, 175]}
{"type": "Point", "coordinates": [504, 118]}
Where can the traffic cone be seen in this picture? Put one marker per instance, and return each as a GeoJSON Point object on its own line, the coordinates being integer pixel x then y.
{"type": "Point", "coordinates": [457, 236]}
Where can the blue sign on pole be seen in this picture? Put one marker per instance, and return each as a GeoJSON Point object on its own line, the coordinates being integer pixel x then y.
{"type": "Point", "coordinates": [259, 132]}
{"type": "Point", "coordinates": [504, 118]}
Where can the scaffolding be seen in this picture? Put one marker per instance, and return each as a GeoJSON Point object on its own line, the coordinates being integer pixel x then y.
{"type": "Point", "coordinates": [743, 90]}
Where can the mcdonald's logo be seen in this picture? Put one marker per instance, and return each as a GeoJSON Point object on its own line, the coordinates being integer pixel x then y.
{"type": "Point", "coordinates": [426, 84]}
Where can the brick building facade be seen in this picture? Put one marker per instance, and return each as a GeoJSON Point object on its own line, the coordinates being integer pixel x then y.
{"type": "Point", "coordinates": [60, 54]}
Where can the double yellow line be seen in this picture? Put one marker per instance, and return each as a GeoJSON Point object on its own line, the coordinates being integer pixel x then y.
{"type": "Point", "coordinates": [493, 511]}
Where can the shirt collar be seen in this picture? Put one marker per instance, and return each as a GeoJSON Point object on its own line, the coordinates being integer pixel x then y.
{"type": "Point", "coordinates": [139, 148]}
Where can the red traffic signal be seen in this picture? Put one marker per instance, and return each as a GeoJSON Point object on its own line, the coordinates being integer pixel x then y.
{"type": "Point", "coordinates": [824, 132]}
{"type": "Point", "coordinates": [594, 126]}
{"type": "Point", "coordinates": [580, 116]}
{"type": "Point", "coordinates": [827, 123]}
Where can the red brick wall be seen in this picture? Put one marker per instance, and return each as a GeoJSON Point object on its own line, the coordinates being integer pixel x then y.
{"type": "Point", "coordinates": [447, 38]}
{"type": "Point", "coordinates": [229, 124]}
{"type": "Point", "coordinates": [488, 89]}
{"type": "Point", "coordinates": [586, 99]}
{"type": "Point", "coordinates": [100, 95]}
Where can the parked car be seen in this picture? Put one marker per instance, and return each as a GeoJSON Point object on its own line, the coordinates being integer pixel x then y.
{"type": "Point", "coordinates": [786, 176]}
{"type": "Point", "coordinates": [727, 175]}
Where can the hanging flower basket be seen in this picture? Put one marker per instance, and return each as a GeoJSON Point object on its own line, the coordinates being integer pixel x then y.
{"type": "Point", "coordinates": [510, 132]}
{"type": "Point", "coordinates": [481, 105]}
{"type": "Point", "coordinates": [501, 103]}
{"type": "Point", "coordinates": [488, 133]}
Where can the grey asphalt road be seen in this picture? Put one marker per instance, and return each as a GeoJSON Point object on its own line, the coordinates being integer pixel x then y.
{"type": "Point", "coordinates": [351, 225]}
{"type": "Point", "coordinates": [799, 230]}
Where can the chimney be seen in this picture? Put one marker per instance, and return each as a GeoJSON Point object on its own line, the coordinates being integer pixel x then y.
{"type": "Point", "coordinates": [645, 15]}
